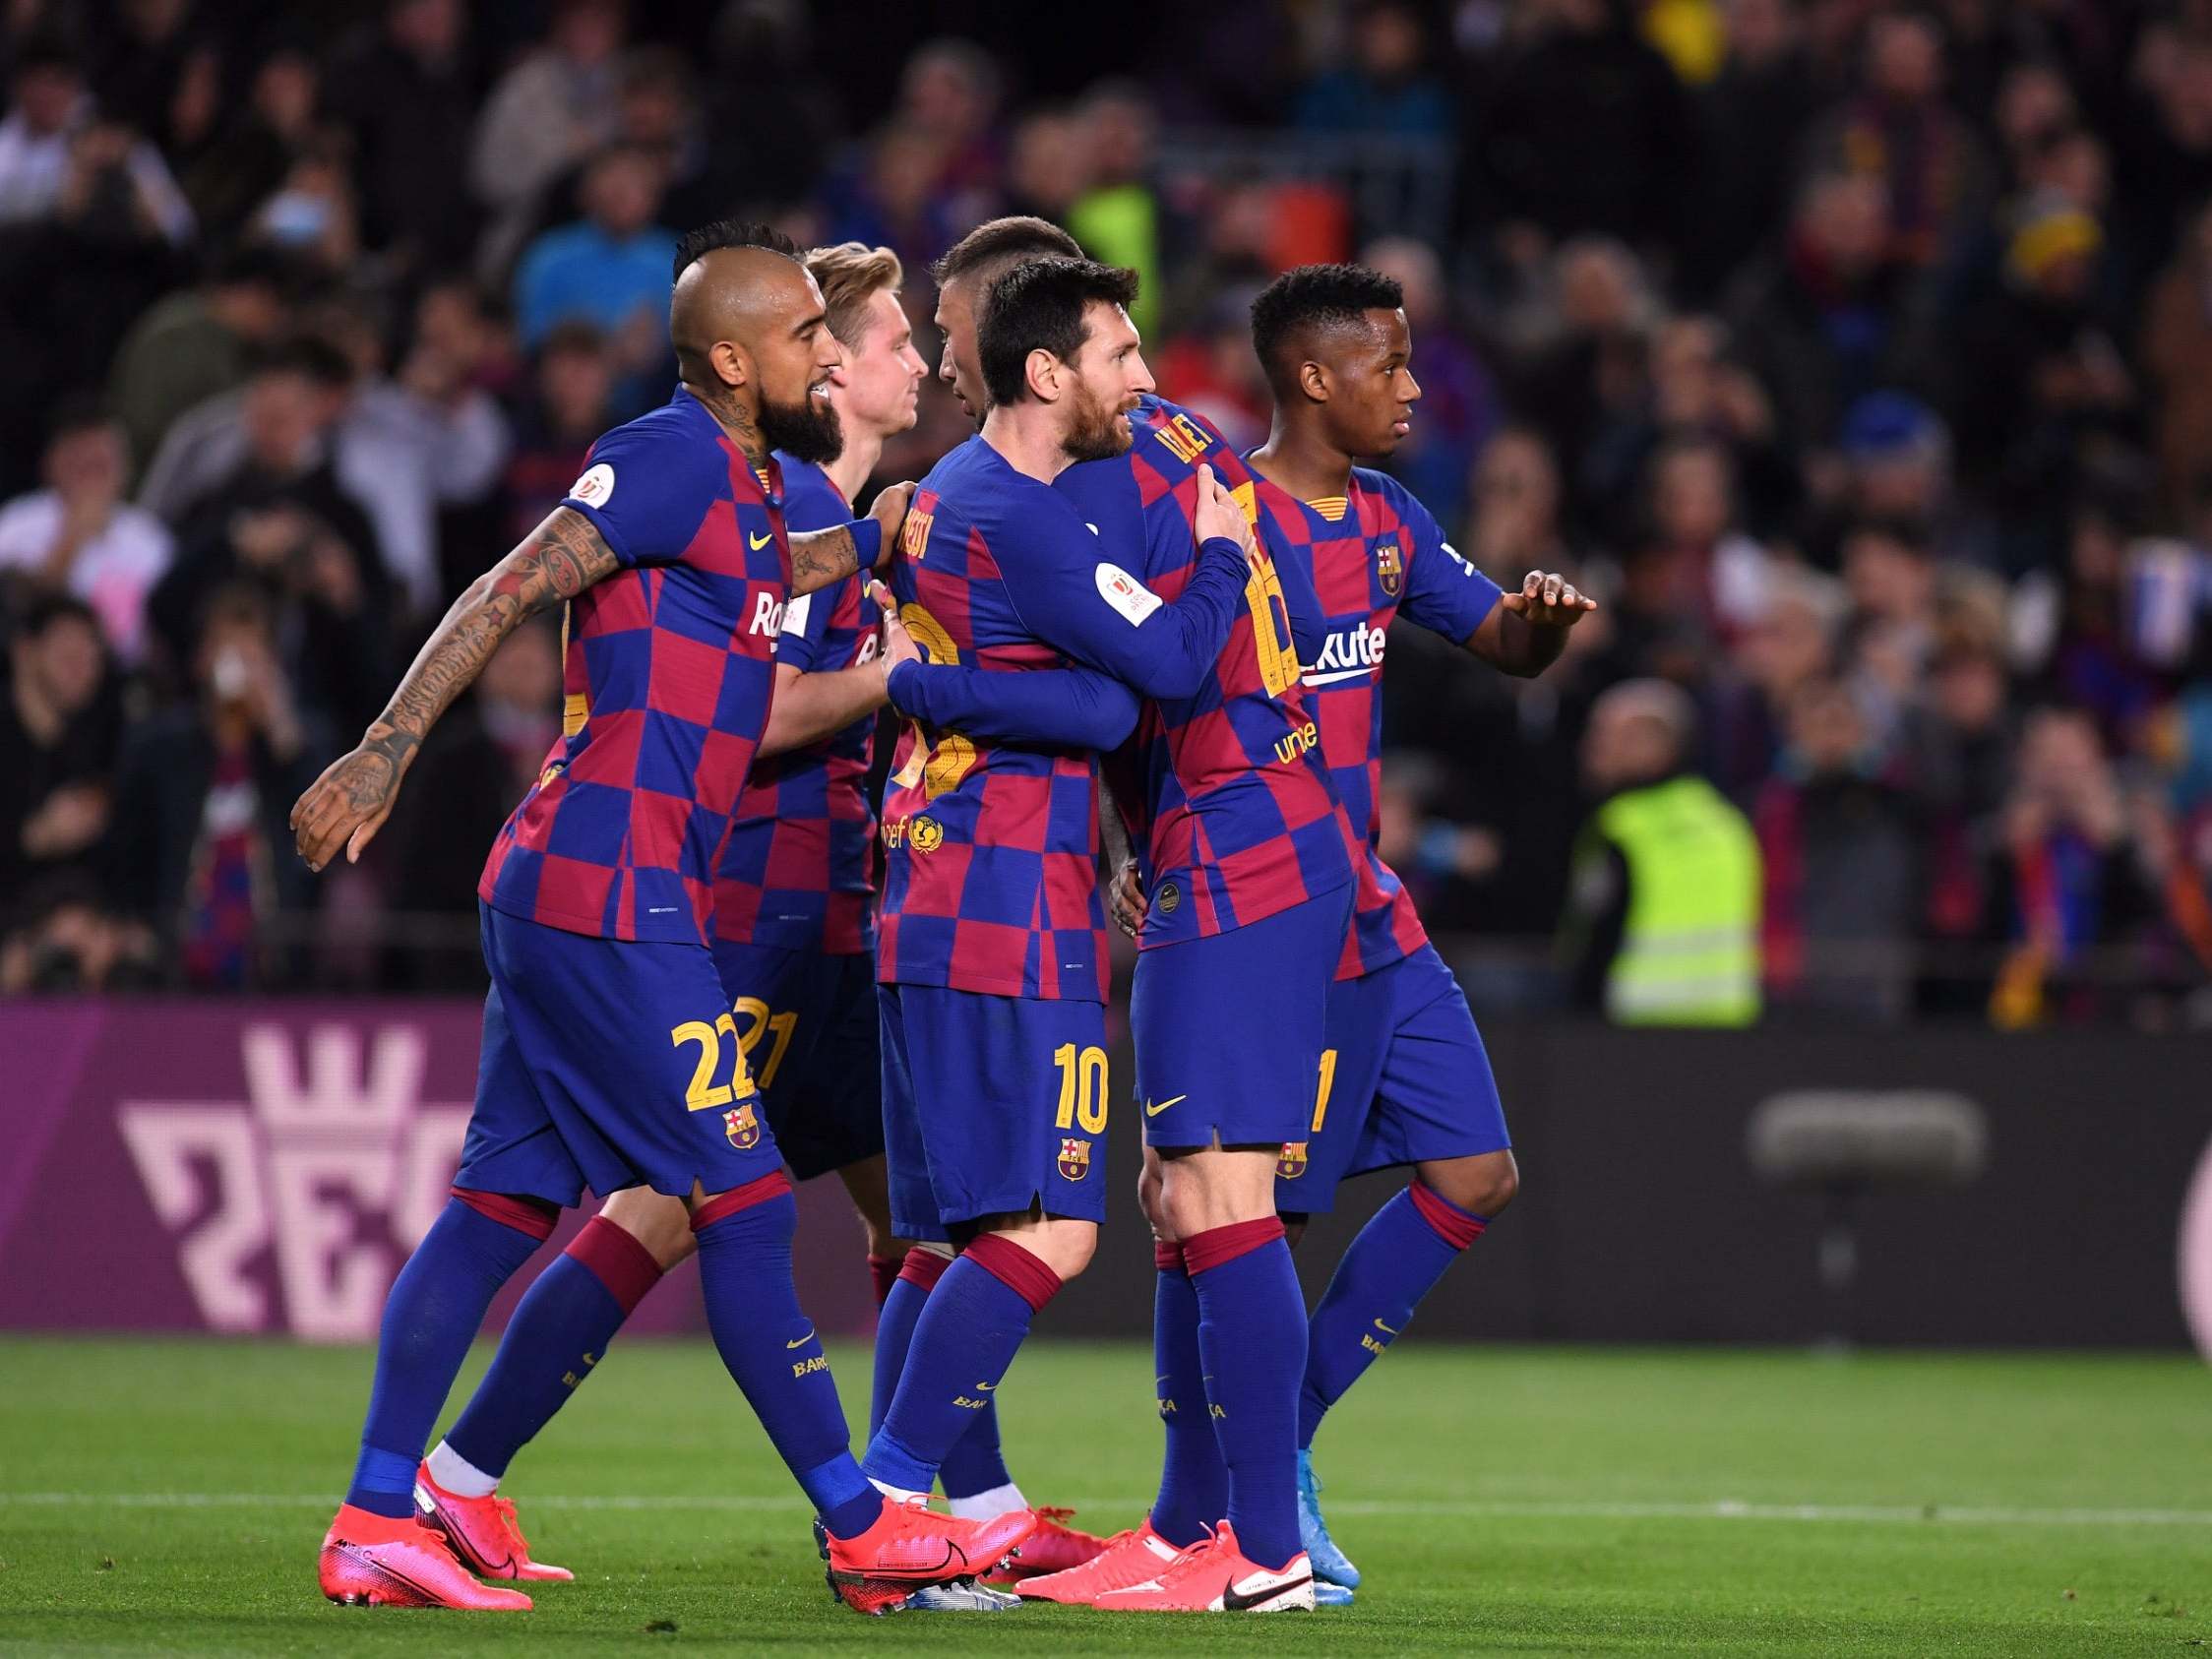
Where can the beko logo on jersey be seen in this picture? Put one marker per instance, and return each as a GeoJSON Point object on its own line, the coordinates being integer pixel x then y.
{"type": "Point", "coordinates": [1351, 654]}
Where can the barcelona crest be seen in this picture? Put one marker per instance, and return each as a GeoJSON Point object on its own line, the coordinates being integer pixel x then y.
{"type": "Point", "coordinates": [742, 1127]}
{"type": "Point", "coordinates": [1292, 1164]}
{"type": "Point", "coordinates": [1390, 569]}
{"type": "Point", "coordinates": [1075, 1158]}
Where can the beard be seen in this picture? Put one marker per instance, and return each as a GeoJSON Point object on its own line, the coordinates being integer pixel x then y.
{"type": "Point", "coordinates": [1098, 433]}
{"type": "Point", "coordinates": [807, 430]}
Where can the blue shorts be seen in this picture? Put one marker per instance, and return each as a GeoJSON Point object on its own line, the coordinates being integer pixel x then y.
{"type": "Point", "coordinates": [1228, 1027]}
{"type": "Point", "coordinates": [607, 1063]}
{"type": "Point", "coordinates": [991, 1105]}
{"type": "Point", "coordinates": [1404, 1079]}
{"type": "Point", "coordinates": [807, 1023]}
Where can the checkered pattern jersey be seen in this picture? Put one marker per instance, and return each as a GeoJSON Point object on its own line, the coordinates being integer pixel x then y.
{"type": "Point", "coordinates": [799, 870]}
{"type": "Point", "coordinates": [991, 849]}
{"type": "Point", "coordinates": [1372, 553]}
{"type": "Point", "coordinates": [668, 671]}
{"type": "Point", "coordinates": [1227, 798]}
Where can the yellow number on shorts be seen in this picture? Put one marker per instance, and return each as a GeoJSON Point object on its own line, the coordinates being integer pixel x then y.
{"type": "Point", "coordinates": [1328, 1082]}
{"type": "Point", "coordinates": [1082, 1089]}
{"type": "Point", "coordinates": [703, 1093]}
{"type": "Point", "coordinates": [782, 1024]}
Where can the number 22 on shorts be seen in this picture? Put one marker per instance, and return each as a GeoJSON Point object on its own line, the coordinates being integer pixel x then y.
{"type": "Point", "coordinates": [704, 1093]}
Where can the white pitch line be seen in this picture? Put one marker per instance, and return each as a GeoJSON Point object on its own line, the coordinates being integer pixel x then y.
{"type": "Point", "coordinates": [1726, 1509]}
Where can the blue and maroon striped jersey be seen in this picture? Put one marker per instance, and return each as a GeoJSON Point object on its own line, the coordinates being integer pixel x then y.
{"type": "Point", "coordinates": [1369, 555]}
{"type": "Point", "coordinates": [990, 877]}
{"type": "Point", "coordinates": [798, 871]}
{"type": "Point", "coordinates": [669, 669]}
{"type": "Point", "coordinates": [1228, 801]}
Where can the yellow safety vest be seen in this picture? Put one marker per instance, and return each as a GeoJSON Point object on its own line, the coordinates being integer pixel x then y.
{"type": "Point", "coordinates": [1690, 947]}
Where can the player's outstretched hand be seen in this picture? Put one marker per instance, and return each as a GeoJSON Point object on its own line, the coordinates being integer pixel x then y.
{"type": "Point", "coordinates": [898, 645]}
{"type": "Point", "coordinates": [1218, 515]}
{"type": "Point", "coordinates": [888, 510]}
{"type": "Point", "coordinates": [1124, 896]}
{"type": "Point", "coordinates": [1548, 599]}
{"type": "Point", "coordinates": [346, 806]}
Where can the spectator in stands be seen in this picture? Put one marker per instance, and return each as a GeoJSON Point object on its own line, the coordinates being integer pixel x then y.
{"type": "Point", "coordinates": [1385, 86]}
{"type": "Point", "coordinates": [1752, 117]}
{"type": "Point", "coordinates": [897, 197]}
{"type": "Point", "coordinates": [201, 850]}
{"type": "Point", "coordinates": [246, 161]}
{"type": "Point", "coordinates": [610, 269]}
{"type": "Point", "coordinates": [2166, 150]}
{"type": "Point", "coordinates": [550, 113]}
{"type": "Point", "coordinates": [949, 98]}
{"type": "Point", "coordinates": [194, 344]}
{"type": "Point", "coordinates": [2175, 353]}
{"type": "Point", "coordinates": [566, 412]}
{"type": "Point", "coordinates": [1458, 399]}
{"type": "Point", "coordinates": [1119, 219]}
{"type": "Point", "coordinates": [63, 940]}
{"type": "Point", "coordinates": [281, 521]}
{"type": "Point", "coordinates": [59, 728]}
{"type": "Point", "coordinates": [1713, 572]}
{"type": "Point", "coordinates": [2067, 888]}
{"type": "Point", "coordinates": [402, 93]}
{"type": "Point", "coordinates": [1663, 914]}
{"type": "Point", "coordinates": [56, 152]}
{"type": "Point", "coordinates": [1790, 646]}
{"type": "Point", "coordinates": [1898, 130]}
{"type": "Point", "coordinates": [1048, 163]}
{"type": "Point", "coordinates": [311, 216]}
{"type": "Point", "coordinates": [1830, 317]}
{"type": "Point", "coordinates": [477, 766]}
{"type": "Point", "coordinates": [1839, 845]}
{"type": "Point", "coordinates": [78, 534]}
{"type": "Point", "coordinates": [160, 66]}
{"type": "Point", "coordinates": [1514, 524]}
{"type": "Point", "coordinates": [1584, 358]}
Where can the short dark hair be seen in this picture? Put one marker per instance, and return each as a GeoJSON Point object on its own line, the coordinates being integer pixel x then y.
{"type": "Point", "coordinates": [1310, 296]}
{"type": "Point", "coordinates": [724, 233]}
{"type": "Point", "coordinates": [81, 410]}
{"type": "Point", "coordinates": [44, 609]}
{"type": "Point", "coordinates": [1039, 305]}
{"type": "Point", "coordinates": [310, 356]}
{"type": "Point", "coordinates": [1002, 241]}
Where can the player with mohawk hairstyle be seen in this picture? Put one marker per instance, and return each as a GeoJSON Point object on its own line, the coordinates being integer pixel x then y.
{"type": "Point", "coordinates": [610, 1059]}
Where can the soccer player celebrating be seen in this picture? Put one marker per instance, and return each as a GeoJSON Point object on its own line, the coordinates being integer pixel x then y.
{"type": "Point", "coordinates": [793, 940]}
{"type": "Point", "coordinates": [1404, 1079]}
{"type": "Point", "coordinates": [991, 948]}
{"type": "Point", "coordinates": [610, 1055]}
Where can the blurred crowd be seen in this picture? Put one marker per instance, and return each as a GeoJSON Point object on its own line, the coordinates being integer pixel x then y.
{"type": "Point", "coordinates": [1857, 354]}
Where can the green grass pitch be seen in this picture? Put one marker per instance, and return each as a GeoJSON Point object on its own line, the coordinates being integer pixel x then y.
{"type": "Point", "coordinates": [169, 1496]}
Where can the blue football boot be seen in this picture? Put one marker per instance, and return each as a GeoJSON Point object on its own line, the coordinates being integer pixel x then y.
{"type": "Point", "coordinates": [1330, 1565]}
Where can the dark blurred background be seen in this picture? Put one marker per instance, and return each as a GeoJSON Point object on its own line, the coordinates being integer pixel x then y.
{"type": "Point", "coordinates": [1857, 354]}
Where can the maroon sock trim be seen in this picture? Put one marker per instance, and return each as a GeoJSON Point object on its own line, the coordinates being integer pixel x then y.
{"type": "Point", "coordinates": [773, 1185]}
{"type": "Point", "coordinates": [1014, 1268]}
{"type": "Point", "coordinates": [882, 1274]}
{"type": "Point", "coordinates": [1217, 1244]}
{"type": "Point", "coordinates": [1457, 1227]}
{"type": "Point", "coordinates": [1167, 1256]}
{"type": "Point", "coordinates": [924, 1267]}
{"type": "Point", "coordinates": [534, 1217]}
{"type": "Point", "coordinates": [617, 1260]}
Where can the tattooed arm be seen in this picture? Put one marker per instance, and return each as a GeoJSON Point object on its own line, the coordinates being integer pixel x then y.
{"type": "Point", "coordinates": [349, 802]}
{"type": "Point", "coordinates": [823, 558]}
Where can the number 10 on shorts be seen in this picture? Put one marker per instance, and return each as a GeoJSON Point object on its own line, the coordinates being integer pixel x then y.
{"type": "Point", "coordinates": [1082, 1089]}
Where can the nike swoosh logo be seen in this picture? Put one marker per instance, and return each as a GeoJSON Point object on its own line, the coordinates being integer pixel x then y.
{"type": "Point", "coordinates": [985, 1387]}
{"type": "Point", "coordinates": [1387, 1329]}
{"type": "Point", "coordinates": [757, 542]}
{"type": "Point", "coordinates": [809, 1337]}
{"type": "Point", "coordinates": [1152, 1111]}
{"type": "Point", "coordinates": [1336, 675]}
{"type": "Point", "coordinates": [1233, 1602]}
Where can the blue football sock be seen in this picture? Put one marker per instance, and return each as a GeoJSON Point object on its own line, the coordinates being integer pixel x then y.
{"type": "Point", "coordinates": [1193, 1481]}
{"type": "Point", "coordinates": [560, 1329]}
{"type": "Point", "coordinates": [968, 1333]}
{"type": "Point", "coordinates": [1251, 1337]}
{"type": "Point", "coordinates": [771, 1347]}
{"type": "Point", "coordinates": [1396, 1260]}
{"type": "Point", "coordinates": [895, 1328]}
{"type": "Point", "coordinates": [977, 1463]}
{"type": "Point", "coordinates": [436, 1307]}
